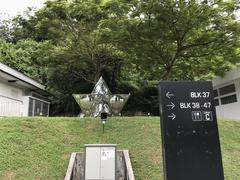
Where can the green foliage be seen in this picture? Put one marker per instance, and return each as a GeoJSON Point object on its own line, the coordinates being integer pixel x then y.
{"type": "Point", "coordinates": [26, 56]}
{"type": "Point", "coordinates": [74, 29]}
{"type": "Point", "coordinates": [5, 30]}
{"type": "Point", "coordinates": [179, 39]}
{"type": "Point", "coordinates": [133, 44]}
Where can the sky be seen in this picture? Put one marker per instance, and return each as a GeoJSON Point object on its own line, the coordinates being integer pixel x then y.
{"type": "Point", "coordinates": [10, 8]}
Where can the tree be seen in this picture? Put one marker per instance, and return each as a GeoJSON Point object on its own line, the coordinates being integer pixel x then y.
{"type": "Point", "coordinates": [178, 39]}
{"type": "Point", "coordinates": [133, 44]}
{"type": "Point", "coordinates": [5, 30]}
{"type": "Point", "coordinates": [79, 53]}
{"type": "Point", "coordinates": [75, 30]}
{"type": "Point", "coordinates": [27, 56]}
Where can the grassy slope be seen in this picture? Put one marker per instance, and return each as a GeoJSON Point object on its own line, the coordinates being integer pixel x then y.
{"type": "Point", "coordinates": [39, 148]}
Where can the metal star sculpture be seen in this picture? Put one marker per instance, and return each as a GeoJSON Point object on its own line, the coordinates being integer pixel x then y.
{"type": "Point", "coordinates": [101, 100]}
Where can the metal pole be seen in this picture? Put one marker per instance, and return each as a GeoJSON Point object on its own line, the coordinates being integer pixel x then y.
{"type": "Point", "coordinates": [103, 127]}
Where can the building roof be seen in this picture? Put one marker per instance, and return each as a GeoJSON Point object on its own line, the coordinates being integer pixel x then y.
{"type": "Point", "coordinates": [13, 76]}
{"type": "Point", "coordinates": [228, 77]}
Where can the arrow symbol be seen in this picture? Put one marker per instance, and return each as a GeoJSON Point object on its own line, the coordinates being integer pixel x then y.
{"type": "Point", "coordinates": [173, 116]}
{"type": "Point", "coordinates": [171, 105]}
{"type": "Point", "coordinates": [168, 95]}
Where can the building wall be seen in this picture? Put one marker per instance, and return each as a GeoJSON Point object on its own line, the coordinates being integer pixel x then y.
{"type": "Point", "coordinates": [11, 102]}
{"type": "Point", "coordinates": [15, 101]}
{"type": "Point", "coordinates": [38, 107]}
{"type": "Point", "coordinates": [229, 110]}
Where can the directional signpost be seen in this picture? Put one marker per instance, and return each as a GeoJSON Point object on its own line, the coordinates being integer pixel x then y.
{"type": "Point", "coordinates": [191, 148]}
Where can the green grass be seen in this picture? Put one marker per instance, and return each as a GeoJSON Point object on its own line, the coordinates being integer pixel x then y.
{"type": "Point", "coordinates": [39, 148]}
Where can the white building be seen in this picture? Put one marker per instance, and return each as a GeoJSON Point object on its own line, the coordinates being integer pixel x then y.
{"type": "Point", "coordinates": [227, 94]}
{"type": "Point", "coordinates": [21, 95]}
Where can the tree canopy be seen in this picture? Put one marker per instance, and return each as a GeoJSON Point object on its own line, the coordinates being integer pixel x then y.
{"type": "Point", "coordinates": [179, 39]}
{"type": "Point", "coordinates": [133, 44]}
